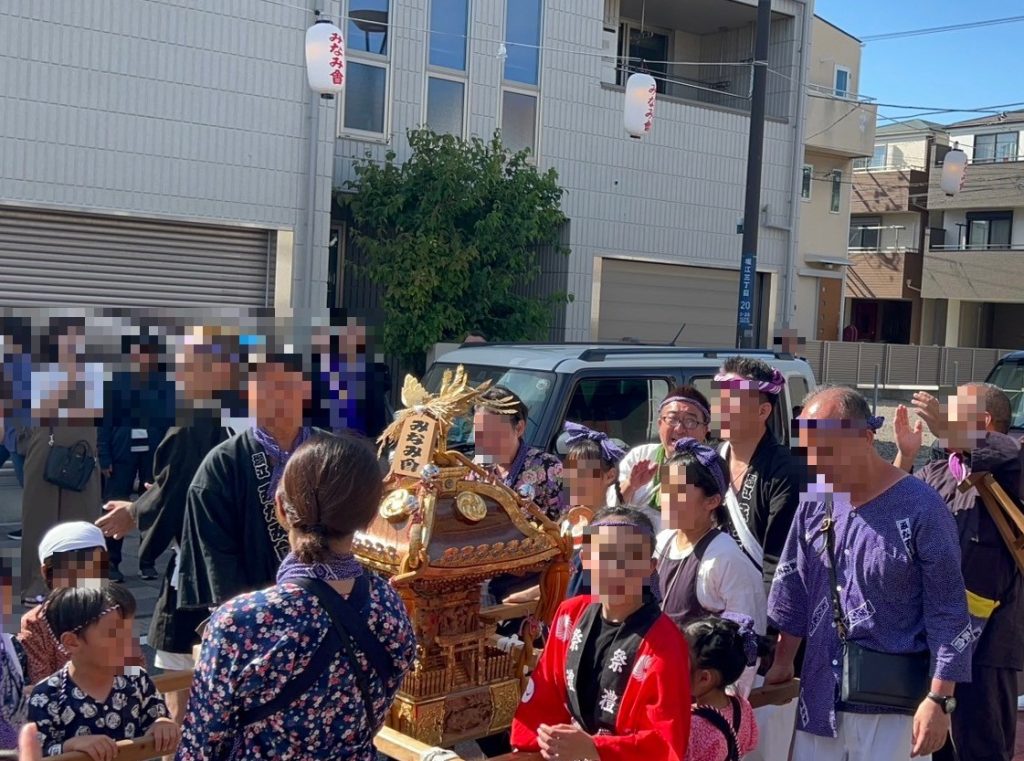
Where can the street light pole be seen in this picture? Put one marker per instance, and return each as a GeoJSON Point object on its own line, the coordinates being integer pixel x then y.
{"type": "Point", "coordinates": [745, 316]}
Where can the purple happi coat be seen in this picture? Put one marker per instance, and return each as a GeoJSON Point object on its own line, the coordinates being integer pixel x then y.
{"type": "Point", "coordinates": [898, 563]}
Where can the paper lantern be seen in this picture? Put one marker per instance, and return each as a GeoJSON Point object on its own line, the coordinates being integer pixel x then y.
{"type": "Point", "coordinates": [954, 169]}
{"type": "Point", "coordinates": [638, 116]}
{"type": "Point", "coordinates": [325, 58]}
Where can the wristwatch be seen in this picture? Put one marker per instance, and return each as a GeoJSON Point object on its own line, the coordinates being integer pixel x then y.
{"type": "Point", "coordinates": [947, 702]}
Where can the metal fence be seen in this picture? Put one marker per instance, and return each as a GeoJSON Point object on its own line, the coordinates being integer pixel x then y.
{"type": "Point", "coordinates": [898, 366]}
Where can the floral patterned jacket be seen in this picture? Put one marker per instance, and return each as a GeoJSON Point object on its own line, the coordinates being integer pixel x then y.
{"type": "Point", "coordinates": [539, 474]}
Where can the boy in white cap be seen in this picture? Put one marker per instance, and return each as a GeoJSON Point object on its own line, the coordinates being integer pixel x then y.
{"type": "Point", "coordinates": [71, 554]}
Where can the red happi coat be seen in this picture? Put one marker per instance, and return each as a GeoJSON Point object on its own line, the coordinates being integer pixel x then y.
{"type": "Point", "coordinates": [653, 720]}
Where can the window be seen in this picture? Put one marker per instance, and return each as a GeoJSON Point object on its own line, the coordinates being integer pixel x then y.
{"type": "Point", "coordinates": [806, 181]}
{"type": "Point", "coordinates": [622, 408]}
{"type": "Point", "coordinates": [842, 88]}
{"type": "Point", "coordinates": [446, 95]}
{"type": "Point", "coordinates": [365, 106]}
{"type": "Point", "coordinates": [520, 92]}
{"type": "Point", "coordinates": [864, 233]}
{"type": "Point", "coordinates": [837, 191]}
{"type": "Point", "coordinates": [641, 50]}
{"type": "Point", "coordinates": [879, 157]}
{"type": "Point", "coordinates": [1001, 147]}
{"type": "Point", "coordinates": [989, 229]}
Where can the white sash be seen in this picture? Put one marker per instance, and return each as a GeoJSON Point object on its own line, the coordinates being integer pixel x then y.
{"type": "Point", "coordinates": [748, 542]}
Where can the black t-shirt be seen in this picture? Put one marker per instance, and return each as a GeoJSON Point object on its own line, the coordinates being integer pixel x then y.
{"type": "Point", "coordinates": [595, 656]}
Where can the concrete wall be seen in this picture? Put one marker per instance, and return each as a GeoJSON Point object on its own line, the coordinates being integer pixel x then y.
{"type": "Point", "coordinates": [833, 47]}
{"type": "Point", "coordinates": [177, 109]}
{"type": "Point", "coordinates": [905, 153]}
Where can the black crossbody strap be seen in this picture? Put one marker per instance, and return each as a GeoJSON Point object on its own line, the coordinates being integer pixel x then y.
{"type": "Point", "coordinates": [720, 723]}
{"type": "Point", "coordinates": [350, 624]}
{"type": "Point", "coordinates": [828, 527]}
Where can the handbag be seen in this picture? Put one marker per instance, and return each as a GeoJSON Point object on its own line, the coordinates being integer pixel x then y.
{"type": "Point", "coordinates": [69, 467]}
{"type": "Point", "coordinates": [872, 679]}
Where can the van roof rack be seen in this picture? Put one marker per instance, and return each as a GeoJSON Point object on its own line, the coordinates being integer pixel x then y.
{"type": "Point", "coordinates": [598, 355]}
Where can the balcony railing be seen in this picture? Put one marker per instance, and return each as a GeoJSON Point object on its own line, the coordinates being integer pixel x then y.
{"type": "Point", "coordinates": [831, 92]}
{"type": "Point", "coordinates": [980, 247]}
{"type": "Point", "coordinates": [883, 250]}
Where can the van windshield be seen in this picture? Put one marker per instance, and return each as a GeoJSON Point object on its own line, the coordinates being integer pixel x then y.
{"type": "Point", "coordinates": [1009, 376]}
{"type": "Point", "coordinates": [532, 386]}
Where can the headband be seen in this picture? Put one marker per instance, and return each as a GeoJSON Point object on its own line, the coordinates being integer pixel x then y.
{"type": "Point", "coordinates": [872, 423]}
{"type": "Point", "coordinates": [610, 451]}
{"type": "Point", "coordinates": [749, 637]}
{"type": "Point", "coordinates": [772, 387]}
{"type": "Point", "coordinates": [687, 400]}
{"type": "Point", "coordinates": [618, 521]}
{"type": "Point", "coordinates": [707, 457]}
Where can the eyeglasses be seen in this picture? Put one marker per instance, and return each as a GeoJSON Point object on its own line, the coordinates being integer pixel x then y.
{"type": "Point", "coordinates": [688, 423]}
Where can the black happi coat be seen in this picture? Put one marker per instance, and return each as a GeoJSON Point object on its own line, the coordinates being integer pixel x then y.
{"type": "Point", "coordinates": [769, 496]}
{"type": "Point", "coordinates": [231, 541]}
{"type": "Point", "coordinates": [160, 513]}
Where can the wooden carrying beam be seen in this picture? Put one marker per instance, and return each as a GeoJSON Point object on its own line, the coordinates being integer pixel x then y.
{"type": "Point", "coordinates": [1004, 511]}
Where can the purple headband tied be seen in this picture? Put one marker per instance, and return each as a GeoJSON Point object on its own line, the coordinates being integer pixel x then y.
{"type": "Point", "coordinates": [617, 521]}
{"type": "Point", "coordinates": [707, 457]}
{"type": "Point", "coordinates": [771, 387]}
{"type": "Point", "coordinates": [875, 422]}
{"type": "Point", "coordinates": [687, 400]}
{"type": "Point", "coordinates": [747, 634]}
{"type": "Point", "coordinates": [610, 451]}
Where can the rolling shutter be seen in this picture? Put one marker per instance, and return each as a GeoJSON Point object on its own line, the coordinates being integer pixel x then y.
{"type": "Point", "coordinates": [54, 257]}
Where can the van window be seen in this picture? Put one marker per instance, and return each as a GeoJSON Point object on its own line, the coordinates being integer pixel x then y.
{"type": "Point", "coordinates": [622, 408]}
{"type": "Point", "coordinates": [1009, 376]}
{"type": "Point", "coordinates": [798, 390]}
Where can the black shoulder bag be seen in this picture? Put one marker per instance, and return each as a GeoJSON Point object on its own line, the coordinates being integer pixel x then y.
{"type": "Point", "coordinates": [349, 632]}
{"type": "Point", "coordinates": [895, 681]}
{"type": "Point", "coordinates": [728, 730]}
{"type": "Point", "coordinates": [69, 467]}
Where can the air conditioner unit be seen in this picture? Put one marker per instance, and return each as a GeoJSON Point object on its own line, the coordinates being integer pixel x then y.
{"type": "Point", "coordinates": [609, 55]}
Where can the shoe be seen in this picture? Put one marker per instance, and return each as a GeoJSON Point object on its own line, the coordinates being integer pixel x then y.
{"type": "Point", "coordinates": [15, 535]}
{"type": "Point", "coordinates": [147, 572]}
{"type": "Point", "coordinates": [115, 575]}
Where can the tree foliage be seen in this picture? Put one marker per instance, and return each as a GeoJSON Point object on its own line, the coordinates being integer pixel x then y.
{"type": "Point", "coordinates": [451, 235]}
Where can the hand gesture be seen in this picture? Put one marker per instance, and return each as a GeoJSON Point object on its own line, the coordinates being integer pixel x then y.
{"type": "Point", "coordinates": [118, 521]}
{"type": "Point", "coordinates": [641, 474]}
{"type": "Point", "coordinates": [565, 743]}
{"type": "Point", "coordinates": [165, 734]}
{"type": "Point", "coordinates": [931, 412]}
{"type": "Point", "coordinates": [96, 747]}
{"type": "Point", "coordinates": [931, 725]}
{"type": "Point", "coordinates": [908, 440]}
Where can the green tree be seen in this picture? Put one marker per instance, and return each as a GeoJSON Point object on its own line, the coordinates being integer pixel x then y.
{"type": "Point", "coordinates": [450, 235]}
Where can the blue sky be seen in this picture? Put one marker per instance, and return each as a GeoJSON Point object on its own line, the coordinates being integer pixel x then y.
{"type": "Point", "coordinates": [970, 68]}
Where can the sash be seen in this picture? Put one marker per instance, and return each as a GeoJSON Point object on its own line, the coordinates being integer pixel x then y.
{"type": "Point", "coordinates": [613, 676]}
{"type": "Point", "coordinates": [738, 517]}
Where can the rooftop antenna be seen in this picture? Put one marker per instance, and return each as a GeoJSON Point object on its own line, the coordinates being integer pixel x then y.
{"type": "Point", "coordinates": [673, 342]}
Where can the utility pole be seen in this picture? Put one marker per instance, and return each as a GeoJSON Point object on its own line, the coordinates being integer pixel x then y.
{"type": "Point", "coordinates": [745, 314]}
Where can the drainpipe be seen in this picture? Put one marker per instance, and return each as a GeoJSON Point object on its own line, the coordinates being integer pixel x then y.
{"type": "Point", "coordinates": [792, 250]}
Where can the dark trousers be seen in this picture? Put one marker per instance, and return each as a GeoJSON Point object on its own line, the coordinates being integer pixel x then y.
{"type": "Point", "coordinates": [121, 485]}
{"type": "Point", "coordinates": [984, 724]}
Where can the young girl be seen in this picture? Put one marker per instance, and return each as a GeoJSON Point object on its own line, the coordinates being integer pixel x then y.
{"type": "Point", "coordinates": [91, 703]}
{"type": "Point", "coordinates": [701, 570]}
{"type": "Point", "coordinates": [722, 727]}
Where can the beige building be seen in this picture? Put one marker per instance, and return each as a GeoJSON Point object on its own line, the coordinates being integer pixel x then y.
{"type": "Point", "coordinates": [839, 127]}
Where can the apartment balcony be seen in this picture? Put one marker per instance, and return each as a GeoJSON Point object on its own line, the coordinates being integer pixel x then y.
{"type": "Point", "coordinates": [986, 185]}
{"type": "Point", "coordinates": [888, 190]}
{"type": "Point", "coordinates": [975, 273]}
{"type": "Point", "coordinates": [884, 273]}
{"type": "Point", "coordinates": [840, 126]}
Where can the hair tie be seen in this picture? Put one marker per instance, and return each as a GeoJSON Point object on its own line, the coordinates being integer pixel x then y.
{"type": "Point", "coordinates": [610, 451]}
{"type": "Point", "coordinates": [318, 529]}
{"type": "Point", "coordinates": [875, 422]}
{"type": "Point", "coordinates": [707, 457]}
{"type": "Point", "coordinates": [748, 636]}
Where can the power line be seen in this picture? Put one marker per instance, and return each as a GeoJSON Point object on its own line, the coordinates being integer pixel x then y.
{"type": "Point", "coordinates": [940, 29]}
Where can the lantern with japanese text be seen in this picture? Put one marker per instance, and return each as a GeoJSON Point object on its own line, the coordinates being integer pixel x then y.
{"type": "Point", "coordinates": [638, 115]}
{"type": "Point", "coordinates": [954, 169]}
{"type": "Point", "coordinates": [325, 58]}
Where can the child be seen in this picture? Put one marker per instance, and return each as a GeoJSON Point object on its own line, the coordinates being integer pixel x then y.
{"type": "Point", "coordinates": [723, 726]}
{"type": "Point", "coordinates": [607, 683]}
{"type": "Point", "coordinates": [701, 570]}
{"type": "Point", "coordinates": [12, 668]}
{"type": "Point", "coordinates": [71, 554]}
{"type": "Point", "coordinates": [91, 703]}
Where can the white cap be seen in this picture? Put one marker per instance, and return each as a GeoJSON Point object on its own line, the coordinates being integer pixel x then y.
{"type": "Point", "coordinates": [66, 537]}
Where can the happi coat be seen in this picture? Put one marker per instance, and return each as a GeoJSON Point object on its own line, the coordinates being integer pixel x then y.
{"type": "Point", "coordinates": [898, 564]}
{"type": "Point", "coordinates": [643, 688]}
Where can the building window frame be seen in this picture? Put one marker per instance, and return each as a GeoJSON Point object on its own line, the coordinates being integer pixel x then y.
{"type": "Point", "coordinates": [858, 234]}
{"type": "Point", "coordinates": [807, 183]}
{"type": "Point", "coordinates": [836, 90]}
{"type": "Point", "coordinates": [659, 71]}
{"type": "Point", "coordinates": [836, 201]}
{"type": "Point", "coordinates": [1013, 138]}
{"type": "Point", "coordinates": [524, 88]}
{"type": "Point", "coordinates": [374, 60]}
{"type": "Point", "coordinates": [988, 217]}
{"type": "Point", "coordinates": [435, 71]}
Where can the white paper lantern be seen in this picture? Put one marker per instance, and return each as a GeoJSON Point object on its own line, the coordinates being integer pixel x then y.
{"type": "Point", "coordinates": [638, 115]}
{"type": "Point", "coordinates": [954, 169]}
{"type": "Point", "coordinates": [325, 58]}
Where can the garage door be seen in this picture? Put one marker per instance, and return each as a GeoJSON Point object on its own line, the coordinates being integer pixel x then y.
{"type": "Point", "coordinates": [651, 302]}
{"type": "Point", "coordinates": [51, 257]}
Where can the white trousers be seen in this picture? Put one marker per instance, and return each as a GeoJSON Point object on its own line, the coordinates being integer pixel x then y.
{"type": "Point", "coordinates": [775, 725]}
{"type": "Point", "coordinates": [861, 737]}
